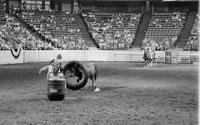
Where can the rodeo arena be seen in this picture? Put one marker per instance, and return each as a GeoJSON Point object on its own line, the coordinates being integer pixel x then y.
{"type": "Point", "coordinates": [99, 62]}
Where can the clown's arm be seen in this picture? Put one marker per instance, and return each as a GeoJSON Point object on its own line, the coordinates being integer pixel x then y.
{"type": "Point", "coordinates": [43, 69]}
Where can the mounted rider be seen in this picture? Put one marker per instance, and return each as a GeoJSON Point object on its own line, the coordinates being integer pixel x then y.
{"type": "Point", "coordinates": [150, 49]}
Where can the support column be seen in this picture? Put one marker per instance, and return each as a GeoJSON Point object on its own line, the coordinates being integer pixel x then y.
{"type": "Point", "coordinates": [72, 6]}
{"type": "Point", "coordinates": [7, 6]}
{"type": "Point", "coordinates": [52, 4]}
{"type": "Point", "coordinates": [76, 7]}
{"type": "Point", "coordinates": [147, 8]}
{"type": "Point", "coordinates": [20, 4]}
{"type": "Point", "coordinates": [43, 4]}
{"type": "Point", "coordinates": [142, 8]}
{"type": "Point", "coordinates": [59, 5]}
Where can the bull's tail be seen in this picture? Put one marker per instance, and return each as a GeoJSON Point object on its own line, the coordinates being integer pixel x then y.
{"type": "Point", "coordinates": [96, 72]}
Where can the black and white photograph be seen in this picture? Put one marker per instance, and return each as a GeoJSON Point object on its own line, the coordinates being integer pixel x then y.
{"type": "Point", "coordinates": [99, 62]}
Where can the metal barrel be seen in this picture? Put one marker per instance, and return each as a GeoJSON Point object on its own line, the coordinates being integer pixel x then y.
{"type": "Point", "coordinates": [56, 88]}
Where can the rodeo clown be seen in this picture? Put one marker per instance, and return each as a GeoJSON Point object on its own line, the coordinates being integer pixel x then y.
{"type": "Point", "coordinates": [54, 68]}
{"type": "Point", "coordinates": [58, 63]}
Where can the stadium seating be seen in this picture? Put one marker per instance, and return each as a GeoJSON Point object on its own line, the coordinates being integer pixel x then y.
{"type": "Point", "coordinates": [113, 31]}
{"type": "Point", "coordinates": [13, 35]}
{"type": "Point", "coordinates": [59, 28]}
{"type": "Point", "coordinates": [2, 17]}
{"type": "Point", "coordinates": [193, 42]}
{"type": "Point", "coordinates": [164, 29]}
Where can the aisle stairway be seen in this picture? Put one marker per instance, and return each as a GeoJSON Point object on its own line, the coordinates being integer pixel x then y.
{"type": "Point", "coordinates": [24, 25]}
{"type": "Point", "coordinates": [140, 34]}
{"type": "Point", "coordinates": [185, 33]}
{"type": "Point", "coordinates": [84, 31]}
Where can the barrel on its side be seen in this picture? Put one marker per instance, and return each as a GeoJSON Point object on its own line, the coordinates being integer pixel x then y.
{"type": "Point", "coordinates": [56, 89]}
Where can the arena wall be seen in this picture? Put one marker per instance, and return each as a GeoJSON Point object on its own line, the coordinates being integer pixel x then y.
{"type": "Point", "coordinates": [109, 55]}
{"type": "Point", "coordinates": [8, 57]}
{"type": "Point", "coordinates": [182, 57]}
{"type": "Point", "coordinates": [89, 55]}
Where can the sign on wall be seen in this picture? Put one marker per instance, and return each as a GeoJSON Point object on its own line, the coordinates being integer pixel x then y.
{"type": "Point", "coordinates": [12, 56]}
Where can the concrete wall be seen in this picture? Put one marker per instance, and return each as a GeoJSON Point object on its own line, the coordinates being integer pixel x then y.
{"type": "Point", "coordinates": [88, 55]}
{"type": "Point", "coordinates": [95, 55]}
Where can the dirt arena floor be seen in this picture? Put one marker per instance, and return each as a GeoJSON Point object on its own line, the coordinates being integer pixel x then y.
{"type": "Point", "coordinates": [130, 95]}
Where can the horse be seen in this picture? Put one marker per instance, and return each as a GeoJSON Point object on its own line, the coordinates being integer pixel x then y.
{"type": "Point", "coordinates": [92, 72]}
{"type": "Point", "coordinates": [149, 57]}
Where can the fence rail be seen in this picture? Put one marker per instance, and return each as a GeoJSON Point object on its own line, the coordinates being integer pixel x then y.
{"type": "Point", "coordinates": [8, 57]}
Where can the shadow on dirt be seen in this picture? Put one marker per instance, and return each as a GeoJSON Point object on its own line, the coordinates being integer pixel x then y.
{"type": "Point", "coordinates": [108, 88]}
{"type": "Point", "coordinates": [36, 99]}
{"type": "Point", "coordinates": [105, 88]}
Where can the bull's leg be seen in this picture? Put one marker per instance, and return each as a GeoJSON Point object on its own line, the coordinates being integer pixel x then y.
{"type": "Point", "coordinates": [92, 82]}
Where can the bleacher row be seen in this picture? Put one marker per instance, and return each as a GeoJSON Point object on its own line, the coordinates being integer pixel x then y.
{"type": "Point", "coordinates": [111, 31]}
{"type": "Point", "coordinates": [193, 42]}
{"type": "Point", "coordinates": [2, 18]}
{"type": "Point", "coordinates": [59, 28]}
{"type": "Point", "coordinates": [13, 35]}
{"type": "Point", "coordinates": [164, 29]}
{"type": "Point", "coordinates": [2, 11]}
